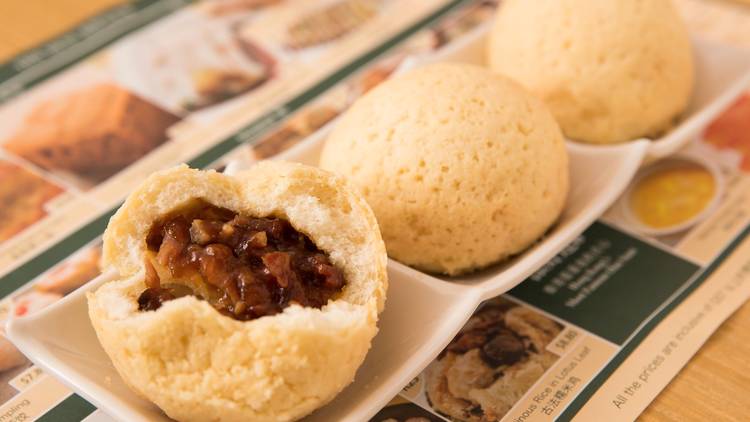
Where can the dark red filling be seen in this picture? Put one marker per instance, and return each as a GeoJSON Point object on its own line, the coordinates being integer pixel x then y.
{"type": "Point", "coordinates": [250, 267]}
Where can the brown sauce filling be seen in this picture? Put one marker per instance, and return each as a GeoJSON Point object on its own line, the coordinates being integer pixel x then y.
{"type": "Point", "coordinates": [245, 267]}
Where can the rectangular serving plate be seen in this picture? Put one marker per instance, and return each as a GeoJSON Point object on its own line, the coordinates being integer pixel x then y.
{"type": "Point", "coordinates": [422, 314]}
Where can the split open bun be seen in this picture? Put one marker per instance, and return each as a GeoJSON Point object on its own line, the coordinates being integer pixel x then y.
{"type": "Point", "coordinates": [197, 364]}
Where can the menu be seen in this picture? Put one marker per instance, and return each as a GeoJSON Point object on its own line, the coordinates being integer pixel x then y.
{"type": "Point", "coordinates": [596, 333]}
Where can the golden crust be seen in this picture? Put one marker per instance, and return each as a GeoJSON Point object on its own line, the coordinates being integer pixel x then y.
{"type": "Point", "coordinates": [632, 79]}
{"type": "Point", "coordinates": [461, 166]}
{"type": "Point", "coordinates": [197, 364]}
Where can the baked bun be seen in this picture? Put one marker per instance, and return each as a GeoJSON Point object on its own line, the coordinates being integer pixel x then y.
{"type": "Point", "coordinates": [462, 167]}
{"type": "Point", "coordinates": [611, 71]}
{"type": "Point", "coordinates": [196, 363]}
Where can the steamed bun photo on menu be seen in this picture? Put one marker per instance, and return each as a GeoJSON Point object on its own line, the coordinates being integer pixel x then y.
{"type": "Point", "coordinates": [610, 71]}
{"type": "Point", "coordinates": [462, 167]}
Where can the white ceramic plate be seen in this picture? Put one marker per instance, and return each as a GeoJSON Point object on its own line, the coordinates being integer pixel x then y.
{"type": "Point", "coordinates": [422, 312]}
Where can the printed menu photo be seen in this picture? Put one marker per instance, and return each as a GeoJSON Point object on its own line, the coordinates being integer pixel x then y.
{"type": "Point", "coordinates": [211, 58]}
{"type": "Point", "coordinates": [20, 380]}
{"type": "Point", "coordinates": [25, 197]}
{"type": "Point", "coordinates": [82, 127]}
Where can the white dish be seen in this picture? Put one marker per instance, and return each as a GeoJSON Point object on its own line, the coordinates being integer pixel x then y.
{"type": "Point", "coordinates": [422, 312]}
{"type": "Point", "coordinates": [628, 216]}
{"type": "Point", "coordinates": [722, 73]}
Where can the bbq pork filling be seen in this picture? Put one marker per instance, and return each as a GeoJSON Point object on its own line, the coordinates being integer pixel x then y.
{"type": "Point", "coordinates": [245, 267]}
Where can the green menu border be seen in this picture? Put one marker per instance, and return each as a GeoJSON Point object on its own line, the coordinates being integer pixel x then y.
{"type": "Point", "coordinates": [69, 48]}
{"type": "Point", "coordinates": [616, 309]}
{"type": "Point", "coordinates": [628, 348]}
{"type": "Point", "coordinates": [73, 408]}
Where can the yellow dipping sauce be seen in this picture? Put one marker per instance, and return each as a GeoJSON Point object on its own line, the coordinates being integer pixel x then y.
{"type": "Point", "coordinates": [672, 195]}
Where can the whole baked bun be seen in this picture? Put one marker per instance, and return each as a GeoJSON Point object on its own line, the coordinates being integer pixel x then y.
{"type": "Point", "coordinates": [198, 364]}
{"type": "Point", "coordinates": [610, 71]}
{"type": "Point", "coordinates": [462, 167]}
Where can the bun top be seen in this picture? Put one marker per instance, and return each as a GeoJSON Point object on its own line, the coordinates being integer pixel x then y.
{"type": "Point", "coordinates": [315, 202]}
{"type": "Point", "coordinates": [197, 364]}
{"type": "Point", "coordinates": [611, 71]}
{"type": "Point", "coordinates": [461, 166]}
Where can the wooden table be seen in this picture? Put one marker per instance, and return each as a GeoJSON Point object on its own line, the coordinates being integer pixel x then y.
{"type": "Point", "coordinates": [714, 386]}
